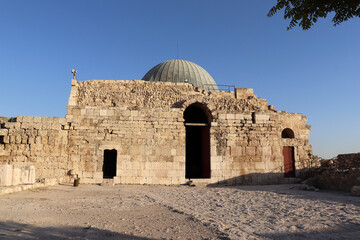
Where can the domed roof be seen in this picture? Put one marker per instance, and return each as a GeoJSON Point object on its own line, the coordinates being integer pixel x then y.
{"type": "Point", "coordinates": [181, 71]}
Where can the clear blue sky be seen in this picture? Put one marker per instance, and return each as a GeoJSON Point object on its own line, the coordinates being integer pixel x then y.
{"type": "Point", "coordinates": [313, 72]}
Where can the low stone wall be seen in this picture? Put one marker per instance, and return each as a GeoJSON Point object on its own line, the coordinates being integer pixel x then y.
{"type": "Point", "coordinates": [44, 183]}
{"type": "Point", "coordinates": [35, 141]}
{"type": "Point", "coordinates": [340, 173]}
{"type": "Point", "coordinates": [336, 179]}
{"type": "Point", "coordinates": [12, 175]}
{"type": "Point", "coordinates": [351, 160]}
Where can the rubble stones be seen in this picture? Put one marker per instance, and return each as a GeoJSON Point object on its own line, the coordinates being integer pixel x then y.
{"type": "Point", "coordinates": [355, 191]}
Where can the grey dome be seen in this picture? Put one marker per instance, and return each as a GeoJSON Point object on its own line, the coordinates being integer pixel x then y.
{"type": "Point", "coordinates": [181, 71]}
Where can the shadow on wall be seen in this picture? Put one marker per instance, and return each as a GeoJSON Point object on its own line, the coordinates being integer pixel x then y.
{"type": "Point", "coordinates": [13, 230]}
{"type": "Point", "coordinates": [254, 179]}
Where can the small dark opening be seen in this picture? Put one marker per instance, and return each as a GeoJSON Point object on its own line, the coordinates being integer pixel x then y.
{"type": "Point", "coordinates": [287, 133]}
{"type": "Point", "coordinates": [253, 117]}
{"type": "Point", "coordinates": [109, 167]}
{"type": "Point", "coordinates": [2, 140]}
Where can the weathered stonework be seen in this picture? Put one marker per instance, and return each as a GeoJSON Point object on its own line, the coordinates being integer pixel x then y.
{"type": "Point", "coordinates": [144, 122]}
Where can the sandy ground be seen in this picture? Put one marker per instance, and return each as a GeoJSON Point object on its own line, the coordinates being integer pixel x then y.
{"type": "Point", "coordinates": [178, 212]}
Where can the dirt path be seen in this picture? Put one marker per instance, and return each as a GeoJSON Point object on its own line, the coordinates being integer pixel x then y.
{"type": "Point", "coordinates": [158, 212]}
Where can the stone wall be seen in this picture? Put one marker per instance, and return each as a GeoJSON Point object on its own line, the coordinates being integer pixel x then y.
{"type": "Point", "coordinates": [351, 160]}
{"type": "Point", "coordinates": [149, 144]}
{"type": "Point", "coordinates": [144, 122]}
{"type": "Point", "coordinates": [136, 94]}
{"type": "Point", "coordinates": [340, 173]}
{"type": "Point", "coordinates": [41, 142]}
{"type": "Point", "coordinates": [337, 179]}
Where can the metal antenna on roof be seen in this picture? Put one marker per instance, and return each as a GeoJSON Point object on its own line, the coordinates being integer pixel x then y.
{"type": "Point", "coordinates": [74, 73]}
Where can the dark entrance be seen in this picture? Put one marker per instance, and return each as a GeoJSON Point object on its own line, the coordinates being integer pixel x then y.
{"type": "Point", "coordinates": [109, 167]}
{"type": "Point", "coordinates": [289, 162]}
{"type": "Point", "coordinates": [197, 124]}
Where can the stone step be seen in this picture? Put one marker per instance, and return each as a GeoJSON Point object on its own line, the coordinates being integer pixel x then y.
{"type": "Point", "coordinates": [107, 182]}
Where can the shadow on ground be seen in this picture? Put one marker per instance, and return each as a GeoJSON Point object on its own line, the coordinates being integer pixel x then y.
{"type": "Point", "coordinates": [272, 185]}
{"type": "Point", "coordinates": [345, 231]}
{"type": "Point", "coordinates": [13, 230]}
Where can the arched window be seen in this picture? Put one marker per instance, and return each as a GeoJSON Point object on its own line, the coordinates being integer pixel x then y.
{"type": "Point", "coordinates": [287, 133]}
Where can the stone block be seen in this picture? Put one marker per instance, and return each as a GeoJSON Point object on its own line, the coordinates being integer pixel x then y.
{"type": "Point", "coordinates": [239, 116]}
{"type": "Point", "coordinates": [4, 132]}
{"type": "Point", "coordinates": [5, 153]}
{"type": "Point", "coordinates": [103, 112]}
{"type": "Point", "coordinates": [117, 180]}
{"type": "Point", "coordinates": [18, 139]}
{"type": "Point", "coordinates": [236, 151]}
{"type": "Point", "coordinates": [28, 119]}
{"type": "Point", "coordinates": [87, 174]}
{"type": "Point", "coordinates": [266, 151]}
{"type": "Point", "coordinates": [251, 151]}
{"type": "Point", "coordinates": [97, 174]}
{"type": "Point", "coordinates": [261, 117]}
{"type": "Point", "coordinates": [243, 93]}
{"type": "Point", "coordinates": [126, 113]}
{"type": "Point", "coordinates": [259, 166]}
{"type": "Point", "coordinates": [37, 119]}
{"type": "Point", "coordinates": [222, 116]}
{"type": "Point", "coordinates": [16, 176]}
{"type": "Point", "coordinates": [24, 178]}
{"type": "Point", "coordinates": [31, 170]}
{"type": "Point", "coordinates": [355, 191]}
{"type": "Point", "coordinates": [230, 116]}
{"type": "Point", "coordinates": [6, 172]}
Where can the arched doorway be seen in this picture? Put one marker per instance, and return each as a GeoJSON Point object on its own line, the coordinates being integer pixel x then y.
{"type": "Point", "coordinates": [109, 167]}
{"type": "Point", "coordinates": [197, 124]}
{"type": "Point", "coordinates": [288, 153]}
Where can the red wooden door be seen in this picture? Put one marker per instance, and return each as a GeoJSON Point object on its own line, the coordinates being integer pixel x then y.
{"type": "Point", "coordinates": [289, 162]}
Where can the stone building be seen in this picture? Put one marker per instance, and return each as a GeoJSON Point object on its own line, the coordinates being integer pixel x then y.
{"type": "Point", "coordinates": [172, 126]}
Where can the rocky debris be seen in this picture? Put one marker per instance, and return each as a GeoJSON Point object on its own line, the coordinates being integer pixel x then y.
{"type": "Point", "coordinates": [355, 191]}
{"type": "Point", "coordinates": [189, 183]}
{"type": "Point", "coordinates": [337, 179]}
{"type": "Point", "coordinates": [328, 162]}
{"type": "Point", "coordinates": [310, 184]}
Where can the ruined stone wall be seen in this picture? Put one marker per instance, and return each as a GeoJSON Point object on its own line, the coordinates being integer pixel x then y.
{"type": "Point", "coordinates": [247, 148]}
{"type": "Point", "coordinates": [350, 160]}
{"type": "Point", "coordinates": [149, 143]}
{"type": "Point", "coordinates": [144, 122]}
{"type": "Point", "coordinates": [337, 179]}
{"type": "Point", "coordinates": [136, 94]}
{"type": "Point", "coordinates": [35, 141]}
{"type": "Point", "coordinates": [296, 122]}
{"type": "Point", "coordinates": [341, 173]}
